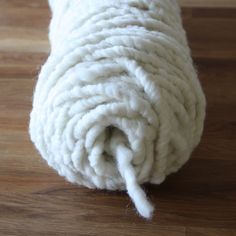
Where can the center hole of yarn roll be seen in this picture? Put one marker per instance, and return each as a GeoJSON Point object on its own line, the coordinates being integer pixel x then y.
{"type": "Point", "coordinates": [113, 136]}
{"type": "Point", "coordinates": [108, 136]}
{"type": "Point", "coordinates": [103, 152]}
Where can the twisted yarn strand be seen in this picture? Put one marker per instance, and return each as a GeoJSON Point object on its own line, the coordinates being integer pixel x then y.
{"type": "Point", "coordinates": [118, 102]}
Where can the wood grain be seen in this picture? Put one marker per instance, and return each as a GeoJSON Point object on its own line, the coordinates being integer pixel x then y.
{"type": "Point", "coordinates": [208, 3]}
{"type": "Point", "coordinates": [34, 200]}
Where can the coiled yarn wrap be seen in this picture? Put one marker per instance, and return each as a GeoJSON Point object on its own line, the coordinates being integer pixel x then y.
{"type": "Point", "coordinates": [118, 102]}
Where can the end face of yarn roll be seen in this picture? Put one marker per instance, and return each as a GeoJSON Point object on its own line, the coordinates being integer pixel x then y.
{"type": "Point", "coordinates": [118, 102]}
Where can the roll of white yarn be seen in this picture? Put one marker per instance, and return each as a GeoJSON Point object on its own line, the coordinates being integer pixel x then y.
{"type": "Point", "coordinates": [118, 102]}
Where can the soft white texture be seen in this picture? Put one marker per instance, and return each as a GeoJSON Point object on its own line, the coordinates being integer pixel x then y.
{"type": "Point", "coordinates": [118, 102]}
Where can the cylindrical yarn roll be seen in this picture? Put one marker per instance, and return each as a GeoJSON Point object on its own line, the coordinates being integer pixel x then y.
{"type": "Point", "coordinates": [118, 102]}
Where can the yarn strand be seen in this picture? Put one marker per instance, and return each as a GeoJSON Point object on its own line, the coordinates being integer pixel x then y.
{"type": "Point", "coordinates": [138, 196]}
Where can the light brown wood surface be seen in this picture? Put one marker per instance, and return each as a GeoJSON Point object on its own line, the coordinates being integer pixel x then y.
{"type": "Point", "coordinates": [200, 200]}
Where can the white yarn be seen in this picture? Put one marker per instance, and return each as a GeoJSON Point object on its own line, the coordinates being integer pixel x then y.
{"type": "Point", "coordinates": [118, 102]}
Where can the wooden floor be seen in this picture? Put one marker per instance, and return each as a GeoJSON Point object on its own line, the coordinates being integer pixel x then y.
{"type": "Point", "coordinates": [200, 200]}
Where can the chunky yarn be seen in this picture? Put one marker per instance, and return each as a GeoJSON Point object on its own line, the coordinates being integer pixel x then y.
{"type": "Point", "coordinates": [118, 102]}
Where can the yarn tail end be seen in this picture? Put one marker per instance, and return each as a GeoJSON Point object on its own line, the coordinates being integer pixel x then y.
{"type": "Point", "coordinates": [143, 206]}
{"type": "Point", "coordinates": [124, 157]}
